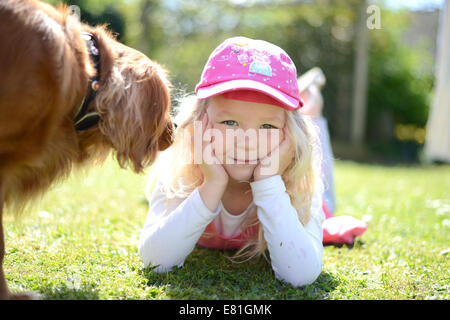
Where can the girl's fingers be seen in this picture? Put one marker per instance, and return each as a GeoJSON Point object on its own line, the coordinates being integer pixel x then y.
{"type": "Point", "coordinates": [209, 127]}
{"type": "Point", "coordinates": [209, 142]}
{"type": "Point", "coordinates": [195, 137]}
{"type": "Point", "coordinates": [282, 147]}
{"type": "Point", "coordinates": [284, 151]}
{"type": "Point", "coordinates": [204, 123]}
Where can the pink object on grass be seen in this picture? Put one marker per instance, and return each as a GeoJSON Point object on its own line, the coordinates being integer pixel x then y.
{"type": "Point", "coordinates": [341, 229]}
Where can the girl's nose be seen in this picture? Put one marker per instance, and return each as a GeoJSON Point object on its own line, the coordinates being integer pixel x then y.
{"type": "Point", "coordinates": [246, 147]}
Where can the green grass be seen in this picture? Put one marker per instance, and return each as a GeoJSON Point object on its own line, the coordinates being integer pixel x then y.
{"type": "Point", "coordinates": [80, 243]}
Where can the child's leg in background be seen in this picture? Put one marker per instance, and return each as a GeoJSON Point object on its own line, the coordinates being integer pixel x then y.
{"type": "Point", "coordinates": [336, 229]}
{"type": "Point", "coordinates": [313, 80]}
{"type": "Point", "coordinates": [329, 197]}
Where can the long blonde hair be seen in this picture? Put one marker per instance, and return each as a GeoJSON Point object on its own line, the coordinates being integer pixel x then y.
{"type": "Point", "coordinates": [179, 176]}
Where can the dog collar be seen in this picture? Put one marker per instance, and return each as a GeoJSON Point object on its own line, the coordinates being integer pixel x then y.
{"type": "Point", "coordinates": [84, 119]}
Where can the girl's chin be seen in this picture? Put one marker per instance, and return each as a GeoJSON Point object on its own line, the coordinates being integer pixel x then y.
{"type": "Point", "coordinates": [240, 172]}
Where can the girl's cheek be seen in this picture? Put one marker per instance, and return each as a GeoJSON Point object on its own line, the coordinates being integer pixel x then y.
{"type": "Point", "coordinates": [279, 136]}
{"type": "Point", "coordinates": [268, 141]}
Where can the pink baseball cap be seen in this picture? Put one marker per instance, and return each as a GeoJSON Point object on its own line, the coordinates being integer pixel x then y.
{"type": "Point", "coordinates": [243, 64]}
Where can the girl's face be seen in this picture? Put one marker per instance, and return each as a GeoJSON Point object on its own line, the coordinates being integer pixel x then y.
{"type": "Point", "coordinates": [249, 131]}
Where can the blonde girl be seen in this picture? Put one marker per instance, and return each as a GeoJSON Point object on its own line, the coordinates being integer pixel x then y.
{"type": "Point", "coordinates": [243, 170]}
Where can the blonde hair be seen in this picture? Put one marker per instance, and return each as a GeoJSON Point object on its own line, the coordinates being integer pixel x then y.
{"type": "Point", "coordinates": [180, 178]}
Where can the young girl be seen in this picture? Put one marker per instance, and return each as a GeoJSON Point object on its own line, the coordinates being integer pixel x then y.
{"type": "Point", "coordinates": [238, 199]}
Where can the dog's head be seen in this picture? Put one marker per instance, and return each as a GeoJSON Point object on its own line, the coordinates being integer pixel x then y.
{"type": "Point", "coordinates": [133, 101]}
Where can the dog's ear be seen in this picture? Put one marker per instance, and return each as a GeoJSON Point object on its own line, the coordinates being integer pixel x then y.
{"type": "Point", "coordinates": [134, 109]}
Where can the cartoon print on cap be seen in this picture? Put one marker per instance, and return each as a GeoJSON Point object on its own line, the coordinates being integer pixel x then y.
{"type": "Point", "coordinates": [260, 67]}
{"type": "Point", "coordinates": [260, 64]}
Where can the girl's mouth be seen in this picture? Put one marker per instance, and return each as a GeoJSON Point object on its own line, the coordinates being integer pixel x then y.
{"type": "Point", "coordinates": [246, 162]}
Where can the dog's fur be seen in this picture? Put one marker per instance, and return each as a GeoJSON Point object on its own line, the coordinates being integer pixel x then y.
{"type": "Point", "coordinates": [44, 75]}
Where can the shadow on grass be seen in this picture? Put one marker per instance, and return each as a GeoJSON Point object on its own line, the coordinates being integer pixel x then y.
{"type": "Point", "coordinates": [209, 274]}
{"type": "Point", "coordinates": [358, 243]}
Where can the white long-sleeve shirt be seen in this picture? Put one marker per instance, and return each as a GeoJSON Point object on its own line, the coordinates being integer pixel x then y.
{"type": "Point", "coordinates": [171, 231]}
{"type": "Point", "coordinates": [173, 228]}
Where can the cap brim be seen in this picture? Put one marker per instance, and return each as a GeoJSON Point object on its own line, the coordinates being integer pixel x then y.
{"type": "Point", "coordinates": [239, 84]}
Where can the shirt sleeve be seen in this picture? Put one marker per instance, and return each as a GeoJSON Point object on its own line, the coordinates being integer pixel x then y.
{"type": "Point", "coordinates": [295, 250]}
{"type": "Point", "coordinates": [172, 229]}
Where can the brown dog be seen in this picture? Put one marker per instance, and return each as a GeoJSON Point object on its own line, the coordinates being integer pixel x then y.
{"type": "Point", "coordinates": [69, 94]}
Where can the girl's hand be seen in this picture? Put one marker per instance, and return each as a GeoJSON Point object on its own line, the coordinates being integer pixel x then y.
{"type": "Point", "coordinates": [215, 178]}
{"type": "Point", "coordinates": [212, 170]}
{"type": "Point", "coordinates": [283, 154]}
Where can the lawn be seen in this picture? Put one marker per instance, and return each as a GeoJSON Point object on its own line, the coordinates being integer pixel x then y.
{"type": "Point", "coordinates": [81, 243]}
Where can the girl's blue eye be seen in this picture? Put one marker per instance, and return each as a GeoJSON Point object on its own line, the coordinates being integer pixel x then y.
{"type": "Point", "coordinates": [230, 122]}
{"type": "Point", "coordinates": [268, 126]}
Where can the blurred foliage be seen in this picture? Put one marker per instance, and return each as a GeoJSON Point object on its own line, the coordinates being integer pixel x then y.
{"type": "Point", "coordinates": [400, 79]}
{"type": "Point", "coordinates": [181, 35]}
{"type": "Point", "coordinates": [99, 12]}
{"type": "Point", "coordinates": [316, 33]}
{"type": "Point", "coordinates": [400, 91]}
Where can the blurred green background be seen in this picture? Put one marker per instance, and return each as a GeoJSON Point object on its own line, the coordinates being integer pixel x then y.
{"type": "Point", "coordinates": [401, 57]}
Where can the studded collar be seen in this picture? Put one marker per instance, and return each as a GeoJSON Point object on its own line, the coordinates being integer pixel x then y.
{"type": "Point", "coordinates": [85, 120]}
